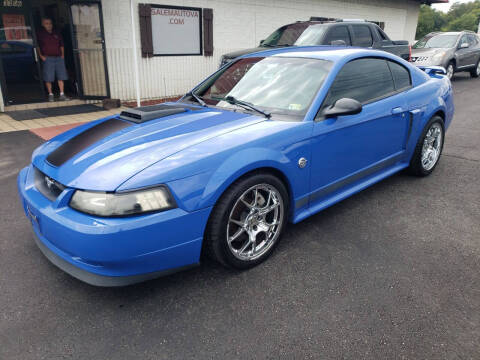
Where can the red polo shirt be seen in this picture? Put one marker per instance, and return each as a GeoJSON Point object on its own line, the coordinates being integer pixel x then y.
{"type": "Point", "coordinates": [49, 43]}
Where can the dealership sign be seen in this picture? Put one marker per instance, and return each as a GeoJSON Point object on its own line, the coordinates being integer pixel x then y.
{"type": "Point", "coordinates": [176, 30]}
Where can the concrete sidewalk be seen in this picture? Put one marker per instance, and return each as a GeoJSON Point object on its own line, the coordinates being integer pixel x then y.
{"type": "Point", "coordinates": [52, 126]}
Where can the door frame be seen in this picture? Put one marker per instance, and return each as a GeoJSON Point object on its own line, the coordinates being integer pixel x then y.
{"type": "Point", "coordinates": [78, 69]}
{"type": "Point", "coordinates": [26, 10]}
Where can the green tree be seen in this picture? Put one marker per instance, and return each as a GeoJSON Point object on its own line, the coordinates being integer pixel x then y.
{"type": "Point", "coordinates": [467, 21]}
{"type": "Point", "coordinates": [429, 20]}
{"type": "Point", "coordinates": [461, 16]}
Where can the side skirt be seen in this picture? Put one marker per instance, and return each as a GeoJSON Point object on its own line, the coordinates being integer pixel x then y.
{"type": "Point", "coordinates": [347, 192]}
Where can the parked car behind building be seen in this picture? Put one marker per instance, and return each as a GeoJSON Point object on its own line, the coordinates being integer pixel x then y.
{"type": "Point", "coordinates": [323, 31]}
{"type": "Point", "coordinates": [455, 51]}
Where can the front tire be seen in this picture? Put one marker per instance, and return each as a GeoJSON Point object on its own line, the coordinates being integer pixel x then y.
{"type": "Point", "coordinates": [247, 222]}
{"type": "Point", "coordinates": [429, 148]}
{"type": "Point", "coordinates": [450, 70]}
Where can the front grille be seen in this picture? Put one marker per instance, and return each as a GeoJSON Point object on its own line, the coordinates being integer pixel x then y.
{"type": "Point", "coordinates": [48, 187]}
{"type": "Point", "coordinates": [419, 58]}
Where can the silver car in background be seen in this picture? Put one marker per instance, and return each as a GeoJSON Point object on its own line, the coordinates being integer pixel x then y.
{"type": "Point", "coordinates": [455, 51]}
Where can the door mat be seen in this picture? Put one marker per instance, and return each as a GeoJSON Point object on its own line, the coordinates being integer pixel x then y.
{"type": "Point", "coordinates": [32, 114]}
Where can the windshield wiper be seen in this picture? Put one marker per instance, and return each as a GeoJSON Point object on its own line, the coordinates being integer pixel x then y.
{"type": "Point", "coordinates": [244, 104]}
{"type": "Point", "coordinates": [197, 98]}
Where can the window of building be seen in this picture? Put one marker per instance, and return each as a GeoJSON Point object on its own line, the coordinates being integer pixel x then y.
{"type": "Point", "coordinates": [362, 35]}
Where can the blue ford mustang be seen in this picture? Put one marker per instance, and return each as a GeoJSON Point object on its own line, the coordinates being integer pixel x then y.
{"type": "Point", "coordinates": [268, 139]}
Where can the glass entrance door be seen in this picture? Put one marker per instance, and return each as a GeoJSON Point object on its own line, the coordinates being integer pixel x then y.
{"type": "Point", "coordinates": [89, 49]}
{"type": "Point", "coordinates": [19, 63]}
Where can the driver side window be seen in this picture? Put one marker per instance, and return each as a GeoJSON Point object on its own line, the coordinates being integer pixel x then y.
{"type": "Point", "coordinates": [364, 80]}
{"type": "Point", "coordinates": [464, 39]}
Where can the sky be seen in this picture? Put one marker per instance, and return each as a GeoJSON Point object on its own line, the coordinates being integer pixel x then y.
{"type": "Point", "coordinates": [445, 7]}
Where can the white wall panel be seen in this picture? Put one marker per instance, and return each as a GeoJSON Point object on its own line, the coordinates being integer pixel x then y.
{"type": "Point", "coordinates": [237, 24]}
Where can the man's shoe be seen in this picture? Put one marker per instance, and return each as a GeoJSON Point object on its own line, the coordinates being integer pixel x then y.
{"type": "Point", "coordinates": [62, 97]}
{"type": "Point", "coordinates": [51, 98]}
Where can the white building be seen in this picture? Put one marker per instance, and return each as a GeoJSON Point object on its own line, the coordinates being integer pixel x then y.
{"type": "Point", "coordinates": [99, 40]}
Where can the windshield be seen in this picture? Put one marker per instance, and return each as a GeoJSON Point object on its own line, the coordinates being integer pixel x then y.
{"type": "Point", "coordinates": [286, 35]}
{"type": "Point", "coordinates": [436, 41]}
{"type": "Point", "coordinates": [311, 36]}
{"type": "Point", "coordinates": [279, 85]}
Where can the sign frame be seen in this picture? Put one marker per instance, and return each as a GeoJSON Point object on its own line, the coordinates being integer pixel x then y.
{"type": "Point", "coordinates": [200, 28]}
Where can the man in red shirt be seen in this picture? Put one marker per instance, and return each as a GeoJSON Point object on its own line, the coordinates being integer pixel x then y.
{"type": "Point", "coordinates": [51, 51]}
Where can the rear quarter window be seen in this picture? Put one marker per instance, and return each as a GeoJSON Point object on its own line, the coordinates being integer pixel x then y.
{"type": "Point", "coordinates": [401, 76]}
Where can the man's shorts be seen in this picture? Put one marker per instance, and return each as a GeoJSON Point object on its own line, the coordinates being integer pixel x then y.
{"type": "Point", "coordinates": [54, 67]}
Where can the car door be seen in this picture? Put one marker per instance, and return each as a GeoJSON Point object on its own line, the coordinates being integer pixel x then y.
{"type": "Point", "coordinates": [463, 54]}
{"type": "Point", "coordinates": [474, 49]}
{"type": "Point", "coordinates": [347, 149]}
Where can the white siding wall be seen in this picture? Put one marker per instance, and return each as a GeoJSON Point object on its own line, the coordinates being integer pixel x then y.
{"type": "Point", "coordinates": [237, 24]}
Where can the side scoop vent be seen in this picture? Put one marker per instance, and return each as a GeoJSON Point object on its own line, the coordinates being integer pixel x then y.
{"type": "Point", "coordinates": [145, 113]}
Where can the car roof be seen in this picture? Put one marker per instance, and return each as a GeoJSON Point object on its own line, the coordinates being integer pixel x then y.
{"type": "Point", "coordinates": [331, 22]}
{"type": "Point", "coordinates": [445, 33]}
{"type": "Point", "coordinates": [322, 52]}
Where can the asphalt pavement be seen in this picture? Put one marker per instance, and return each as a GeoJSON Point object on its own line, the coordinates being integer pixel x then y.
{"type": "Point", "coordinates": [390, 273]}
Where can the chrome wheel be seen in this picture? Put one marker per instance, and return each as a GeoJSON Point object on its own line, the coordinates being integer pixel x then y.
{"type": "Point", "coordinates": [450, 71]}
{"type": "Point", "coordinates": [255, 222]}
{"type": "Point", "coordinates": [432, 146]}
{"type": "Point", "coordinates": [478, 69]}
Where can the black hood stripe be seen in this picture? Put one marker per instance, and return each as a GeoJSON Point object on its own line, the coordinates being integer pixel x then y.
{"type": "Point", "coordinates": [83, 140]}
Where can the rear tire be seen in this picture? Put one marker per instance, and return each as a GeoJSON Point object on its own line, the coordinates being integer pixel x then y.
{"type": "Point", "coordinates": [475, 73]}
{"type": "Point", "coordinates": [429, 148]}
{"type": "Point", "coordinates": [241, 233]}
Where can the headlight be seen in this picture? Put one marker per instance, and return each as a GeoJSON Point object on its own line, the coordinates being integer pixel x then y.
{"type": "Point", "coordinates": [122, 204]}
{"type": "Point", "coordinates": [438, 57]}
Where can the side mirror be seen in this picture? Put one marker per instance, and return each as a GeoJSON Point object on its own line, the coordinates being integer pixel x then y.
{"type": "Point", "coordinates": [464, 45]}
{"type": "Point", "coordinates": [343, 106]}
{"type": "Point", "coordinates": [261, 42]}
{"type": "Point", "coordinates": [338, 43]}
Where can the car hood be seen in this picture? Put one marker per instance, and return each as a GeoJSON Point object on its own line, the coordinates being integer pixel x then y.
{"type": "Point", "coordinates": [427, 52]}
{"type": "Point", "coordinates": [107, 163]}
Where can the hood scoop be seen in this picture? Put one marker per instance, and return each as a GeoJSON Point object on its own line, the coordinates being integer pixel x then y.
{"type": "Point", "coordinates": [146, 113]}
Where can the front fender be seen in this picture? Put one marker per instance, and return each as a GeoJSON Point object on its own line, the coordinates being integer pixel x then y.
{"type": "Point", "coordinates": [241, 163]}
{"type": "Point", "coordinates": [204, 190]}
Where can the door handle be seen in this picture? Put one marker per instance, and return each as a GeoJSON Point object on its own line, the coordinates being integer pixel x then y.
{"type": "Point", "coordinates": [397, 110]}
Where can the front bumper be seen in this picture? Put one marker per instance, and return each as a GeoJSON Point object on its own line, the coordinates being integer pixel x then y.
{"type": "Point", "coordinates": [111, 251]}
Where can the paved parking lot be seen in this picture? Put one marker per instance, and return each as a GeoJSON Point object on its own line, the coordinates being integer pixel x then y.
{"type": "Point", "coordinates": [393, 272]}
